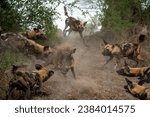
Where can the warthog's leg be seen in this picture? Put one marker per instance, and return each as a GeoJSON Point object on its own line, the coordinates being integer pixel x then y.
{"type": "Point", "coordinates": [73, 72]}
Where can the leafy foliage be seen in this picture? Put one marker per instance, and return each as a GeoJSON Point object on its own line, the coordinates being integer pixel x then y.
{"type": "Point", "coordinates": [7, 58]}
{"type": "Point", "coordinates": [120, 15]}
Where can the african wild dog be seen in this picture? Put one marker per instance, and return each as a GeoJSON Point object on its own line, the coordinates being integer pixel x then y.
{"type": "Point", "coordinates": [25, 82]}
{"type": "Point", "coordinates": [37, 49]}
{"type": "Point", "coordinates": [133, 71]}
{"type": "Point", "coordinates": [73, 24]}
{"type": "Point", "coordinates": [118, 51]}
{"type": "Point", "coordinates": [137, 90]}
{"type": "Point", "coordinates": [36, 33]}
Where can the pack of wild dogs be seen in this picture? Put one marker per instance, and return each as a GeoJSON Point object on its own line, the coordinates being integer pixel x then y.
{"type": "Point", "coordinates": [131, 51]}
{"type": "Point", "coordinates": [26, 83]}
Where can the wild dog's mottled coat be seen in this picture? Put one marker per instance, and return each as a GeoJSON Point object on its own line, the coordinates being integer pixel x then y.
{"type": "Point", "coordinates": [73, 24]}
{"type": "Point", "coordinates": [130, 50]}
{"type": "Point", "coordinates": [137, 89]}
{"type": "Point", "coordinates": [28, 81]}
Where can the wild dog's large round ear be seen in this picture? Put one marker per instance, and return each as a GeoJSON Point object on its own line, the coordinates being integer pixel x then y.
{"type": "Point", "coordinates": [50, 73]}
{"type": "Point", "coordinates": [38, 66]}
{"type": "Point", "coordinates": [128, 81]}
{"type": "Point", "coordinates": [85, 23]}
{"type": "Point", "coordinates": [105, 42]}
{"type": "Point", "coordinates": [39, 27]}
{"type": "Point", "coordinates": [46, 48]}
{"type": "Point", "coordinates": [14, 68]}
{"type": "Point", "coordinates": [35, 29]}
{"type": "Point", "coordinates": [73, 51]}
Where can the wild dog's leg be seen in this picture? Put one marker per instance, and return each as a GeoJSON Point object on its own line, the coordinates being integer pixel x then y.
{"type": "Point", "coordinates": [111, 57]}
{"type": "Point", "coordinates": [66, 26]}
{"type": "Point", "coordinates": [64, 31]}
{"type": "Point", "coordinates": [25, 87]}
{"type": "Point", "coordinates": [39, 84]}
{"type": "Point", "coordinates": [117, 61]}
{"type": "Point", "coordinates": [73, 72]}
{"type": "Point", "coordinates": [69, 31]}
{"type": "Point", "coordinates": [28, 92]}
{"type": "Point", "coordinates": [139, 61]}
{"type": "Point", "coordinates": [80, 32]}
{"type": "Point", "coordinates": [10, 88]}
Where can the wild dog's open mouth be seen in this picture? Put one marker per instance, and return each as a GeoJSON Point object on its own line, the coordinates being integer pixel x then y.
{"type": "Point", "coordinates": [106, 53]}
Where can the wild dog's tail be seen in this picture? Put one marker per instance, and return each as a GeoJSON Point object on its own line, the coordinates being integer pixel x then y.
{"type": "Point", "coordinates": [65, 10]}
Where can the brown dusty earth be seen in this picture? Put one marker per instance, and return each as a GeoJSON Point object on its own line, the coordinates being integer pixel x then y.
{"type": "Point", "coordinates": [93, 81]}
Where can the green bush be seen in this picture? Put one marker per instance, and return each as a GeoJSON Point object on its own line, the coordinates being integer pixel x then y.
{"type": "Point", "coordinates": [7, 58]}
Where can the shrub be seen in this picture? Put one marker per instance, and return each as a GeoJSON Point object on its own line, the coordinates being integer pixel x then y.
{"type": "Point", "coordinates": [7, 58]}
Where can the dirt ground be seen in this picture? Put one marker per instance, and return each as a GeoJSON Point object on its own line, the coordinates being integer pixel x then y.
{"type": "Point", "coordinates": [93, 81]}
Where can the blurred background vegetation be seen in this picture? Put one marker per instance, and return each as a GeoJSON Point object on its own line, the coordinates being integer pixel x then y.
{"type": "Point", "coordinates": [118, 16]}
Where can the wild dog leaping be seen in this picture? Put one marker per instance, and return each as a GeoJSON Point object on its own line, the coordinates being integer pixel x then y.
{"type": "Point", "coordinates": [73, 24]}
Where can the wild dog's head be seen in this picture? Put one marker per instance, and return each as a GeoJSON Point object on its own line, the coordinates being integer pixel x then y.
{"type": "Point", "coordinates": [39, 33]}
{"type": "Point", "coordinates": [136, 89]}
{"type": "Point", "coordinates": [19, 84]}
{"type": "Point", "coordinates": [107, 50]}
{"type": "Point", "coordinates": [47, 50]}
{"type": "Point", "coordinates": [67, 61]}
{"type": "Point", "coordinates": [18, 69]}
{"type": "Point", "coordinates": [81, 26]}
{"type": "Point", "coordinates": [125, 71]}
{"type": "Point", "coordinates": [43, 73]}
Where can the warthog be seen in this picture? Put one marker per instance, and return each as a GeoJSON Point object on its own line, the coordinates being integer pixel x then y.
{"type": "Point", "coordinates": [25, 82]}
{"type": "Point", "coordinates": [129, 50]}
{"type": "Point", "coordinates": [62, 59]}
{"type": "Point", "coordinates": [137, 90]}
{"type": "Point", "coordinates": [74, 25]}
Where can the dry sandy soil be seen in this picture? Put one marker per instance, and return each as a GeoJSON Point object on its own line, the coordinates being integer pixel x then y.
{"type": "Point", "coordinates": [93, 81]}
